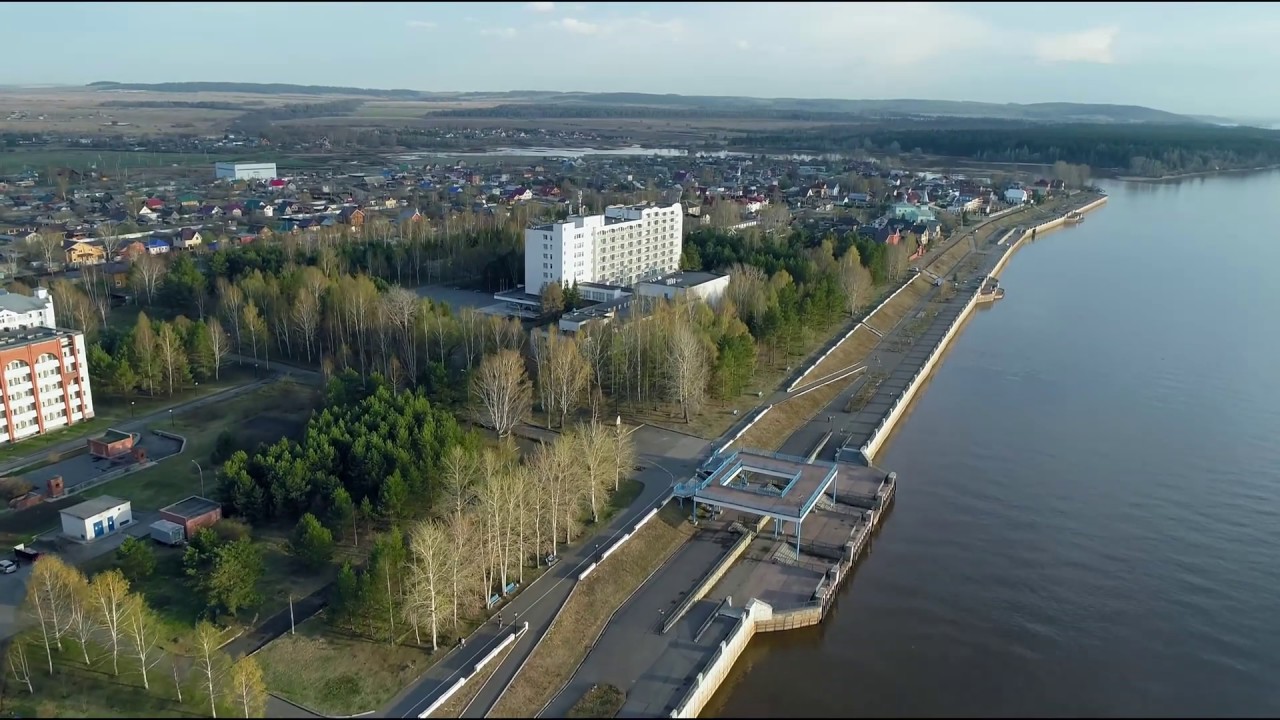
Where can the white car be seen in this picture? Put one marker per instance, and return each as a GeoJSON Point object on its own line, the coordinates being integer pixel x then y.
{"type": "Point", "coordinates": [8, 566]}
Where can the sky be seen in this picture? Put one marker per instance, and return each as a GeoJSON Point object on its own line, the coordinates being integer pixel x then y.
{"type": "Point", "coordinates": [1213, 59]}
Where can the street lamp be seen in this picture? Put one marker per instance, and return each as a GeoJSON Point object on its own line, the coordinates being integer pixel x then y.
{"type": "Point", "coordinates": [131, 404]}
{"type": "Point", "coordinates": [201, 471]}
{"type": "Point", "coordinates": [171, 420]}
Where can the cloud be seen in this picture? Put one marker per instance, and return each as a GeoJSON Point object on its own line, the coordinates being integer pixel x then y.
{"type": "Point", "coordinates": [421, 24]}
{"type": "Point", "coordinates": [578, 27]}
{"type": "Point", "coordinates": [1088, 46]}
{"type": "Point", "coordinates": [542, 7]}
{"type": "Point", "coordinates": [504, 32]}
{"type": "Point", "coordinates": [743, 45]}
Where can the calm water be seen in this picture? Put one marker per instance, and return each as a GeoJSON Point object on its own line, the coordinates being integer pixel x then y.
{"type": "Point", "coordinates": [1088, 520]}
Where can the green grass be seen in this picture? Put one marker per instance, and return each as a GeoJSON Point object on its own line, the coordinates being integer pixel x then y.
{"type": "Point", "coordinates": [601, 701]}
{"type": "Point", "coordinates": [42, 158]}
{"type": "Point", "coordinates": [333, 673]}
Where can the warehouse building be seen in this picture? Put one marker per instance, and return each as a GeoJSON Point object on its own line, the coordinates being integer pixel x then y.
{"type": "Point", "coordinates": [244, 171]}
{"type": "Point", "coordinates": [97, 518]}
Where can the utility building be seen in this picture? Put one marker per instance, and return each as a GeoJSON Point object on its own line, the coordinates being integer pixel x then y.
{"type": "Point", "coordinates": [96, 518]}
{"type": "Point", "coordinates": [244, 171]}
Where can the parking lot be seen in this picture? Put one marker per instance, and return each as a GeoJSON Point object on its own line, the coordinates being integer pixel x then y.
{"type": "Point", "coordinates": [84, 468]}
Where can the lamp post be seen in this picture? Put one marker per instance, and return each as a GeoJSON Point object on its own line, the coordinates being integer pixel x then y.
{"type": "Point", "coordinates": [131, 408]}
{"type": "Point", "coordinates": [171, 420]}
{"type": "Point", "coordinates": [201, 471]}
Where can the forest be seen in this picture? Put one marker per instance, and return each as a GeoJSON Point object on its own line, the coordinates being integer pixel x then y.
{"type": "Point", "coordinates": [1151, 150]}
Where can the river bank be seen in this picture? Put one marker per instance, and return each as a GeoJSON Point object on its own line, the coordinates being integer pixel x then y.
{"type": "Point", "coordinates": [1203, 173]}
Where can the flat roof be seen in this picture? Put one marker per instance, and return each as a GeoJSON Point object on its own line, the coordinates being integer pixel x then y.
{"type": "Point", "coordinates": [683, 278]}
{"type": "Point", "coordinates": [802, 483]}
{"type": "Point", "coordinates": [113, 435]}
{"type": "Point", "coordinates": [194, 506]}
{"type": "Point", "coordinates": [26, 336]}
{"type": "Point", "coordinates": [96, 506]}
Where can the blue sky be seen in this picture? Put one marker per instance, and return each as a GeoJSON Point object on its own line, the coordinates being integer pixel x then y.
{"type": "Point", "coordinates": [1195, 58]}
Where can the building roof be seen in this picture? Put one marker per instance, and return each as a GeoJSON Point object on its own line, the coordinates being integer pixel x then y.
{"type": "Point", "coordinates": [683, 279]}
{"type": "Point", "coordinates": [22, 304]}
{"type": "Point", "coordinates": [113, 435]}
{"type": "Point", "coordinates": [96, 506]}
{"type": "Point", "coordinates": [25, 336]}
{"type": "Point", "coordinates": [192, 507]}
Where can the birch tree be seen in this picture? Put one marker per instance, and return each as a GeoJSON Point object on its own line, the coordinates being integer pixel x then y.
{"type": "Point", "coordinates": [172, 355]}
{"type": "Point", "coordinates": [18, 663]}
{"type": "Point", "coordinates": [624, 453]}
{"type": "Point", "coordinates": [147, 270]}
{"type": "Point", "coordinates": [144, 352]}
{"type": "Point", "coordinates": [593, 450]}
{"type": "Point", "coordinates": [430, 576]}
{"type": "Point", "coordinates": [50, 601]}
{"type": "Point", "coordinates": [254, 328]}
{"type": "Point", "coordinates": [459, 491]}
{"type": "Point", "coordinates": [855, 280]}
{"type": "Point", "coordinates": [219, 345]}
{"type": "Point", "coordinates": [249, 686]}
{"type": "Point", "coordinates": [687, 370]}
{"type": "Point", "coordinates": [208, 661]}
{"type": "Point", "coordinates": [567, 375]}
{"type": "Point", "coordinates": [83, 623]}
{"type": "Point", "coordinates": [143, 630]}
{"type": "Point", "coordinates": [501, 390]}
{"type": "Point", "coordinates": [401, 308]}
{"type": "Point", "coordinates": [109, 596]}
{"type": "Point", "coordinates": [306, 320]}
{"type": "Point", "coordinates": [231, 303]}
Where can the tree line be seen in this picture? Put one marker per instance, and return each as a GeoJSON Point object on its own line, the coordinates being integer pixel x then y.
{"type": "Point", "coordinates": [102, 623]}
{"type": "Point", "coordinates": [1147, 149]}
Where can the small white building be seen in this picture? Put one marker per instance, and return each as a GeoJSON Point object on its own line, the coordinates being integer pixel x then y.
{"type": "Point", "coordinates": [1015, 196]}
{"type": "Point", "coordinates": [244, 171]}
{"type": "Point", "coordinates": [97, 518]}
{"type": "Point", "coordinates": [709, 287]}
{"type": "Point", "coordinates": [19, 312]}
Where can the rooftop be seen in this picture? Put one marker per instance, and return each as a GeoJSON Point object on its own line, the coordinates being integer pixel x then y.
{"type": "Point", "coordinates": [96, 506]}
{"type": "Point", "coordinates": [21, 304]}
{"type": "Point", "coordinates": [683, 278]}
{"type": "Point", "coordinates": [192, 507]}
{"type": "Point", "coordinates": [781, 486]}
{"type": "Point", "coordinates": [26, 336]}
{"type": "Point", "coordinates": [113, 435]}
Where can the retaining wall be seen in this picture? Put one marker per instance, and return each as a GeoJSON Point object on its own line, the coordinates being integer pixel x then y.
{"type": "Point", "coordinates": [707, 682]}
{"type": "Point", "coordinates": [744, 429]}
{"type": "Point", "coordinates": [882, 431]}
{"type": "Point", "coordinates": [489, 656]}
{"type": "Point", "coordinates": [711, 578]}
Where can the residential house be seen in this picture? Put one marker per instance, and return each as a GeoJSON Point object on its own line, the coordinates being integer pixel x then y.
{"type": "Point", "coordinates": [409, 215]}
{"type": "Point", "coordinates": [189, 202]}
{"type": "Point", "coordinates": [84, 252]}
{"type": "Point", "coordinates": [187, 239]}
{"type": "Point", "coordinates": [351, 215]}
{"type": "Point", "coordinates": [1015, 196]}
{"type": "Point", "coordinates": [158, 245]}
{"type": "Point", "coordinates": [153, 203]}
{"type": "Point", "coordinates": [131, 250]}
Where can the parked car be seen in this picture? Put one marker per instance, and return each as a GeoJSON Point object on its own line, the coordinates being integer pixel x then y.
{"type": "Point", "coordinates": [8, 566]}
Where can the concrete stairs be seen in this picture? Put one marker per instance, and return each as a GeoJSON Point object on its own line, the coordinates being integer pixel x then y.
{"type": "Point", "coordinates": [785, 554]}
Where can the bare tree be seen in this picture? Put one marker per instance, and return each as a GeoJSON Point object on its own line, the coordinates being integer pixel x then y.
{"type": "Point", "coordinates": [401, 308]}
{"type": "Point", "coordinates": [18, 664]}
{"type": "Point", "coordinates": [143, 630]}
{"type": "Point", "coordinates": [83, 625]}
{"type": "Point", "coordinates": [172, 355]}
{"type": "Point", "coordinates": [146, 362]}
{"type": "Point", "coordinates": [219, 345]}
{"type": "Point", "coordinates": [254, 328]}
{"type": "Point", "coordinates": [109, 595]}
{"type": "Point", "coordinates": [306, 320]}
{"type": "Point", "coordinates": [97, 287]}
{"type": "Point", "coordinates": [855, 280]}
{"type": "Point", "coordinates": [896, 259]}
{"type": "Point", "coordinates": [748, 291]}
{"type": "Point", "coordinates": [109, 235]}
{"type": "Point", "coordinates": [459, 493]}
{"type": "Point", "coordinates": [430, 574]}
{"type": "Point", "coordinates": [148, 270]}
{"type": "Point", "coordinates": [567, 374]}
{"type": "Point", "coordinates": [208, 661]}
{"type": "Point", "coordinates": [501, 389]}
{"type": "Point", "coordinates": [624, 453]}
{"type": "Point", "coordinates": [231, 302]}
{"type": "Point", "coordinates": [593, 451]}
{"type": "Point", "coordinates": [45, 247]}
{"type": "Point", "coordinates": [687, 371]}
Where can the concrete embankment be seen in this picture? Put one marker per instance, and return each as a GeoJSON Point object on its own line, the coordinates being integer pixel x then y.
{"type": "Point", "coordinates": [995, 263]}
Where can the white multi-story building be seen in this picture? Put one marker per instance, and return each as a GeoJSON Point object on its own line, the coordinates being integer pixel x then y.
{"type": "Point", "coordinates": [19, 312]}
{"type": "Point", "coordinates": [244, 171]}
{"type": "Point", "coordinates": [621, 247]}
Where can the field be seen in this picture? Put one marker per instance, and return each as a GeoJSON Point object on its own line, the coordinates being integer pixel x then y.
{"type": "Point", "coordinates": [332, 673]}
{"type": "Point", "coordinates": [583, 617]}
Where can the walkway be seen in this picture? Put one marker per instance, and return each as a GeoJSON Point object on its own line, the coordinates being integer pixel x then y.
{"type": "Point", "coordinates": [665, 456]}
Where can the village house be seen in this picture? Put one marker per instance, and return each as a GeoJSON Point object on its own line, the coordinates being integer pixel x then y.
{"type": "Point", "coordinates": [82, 252]}
{"type": "Point", "coordinates": [157, 246]}
{"type": "Point", "coordinates": [187, 239]}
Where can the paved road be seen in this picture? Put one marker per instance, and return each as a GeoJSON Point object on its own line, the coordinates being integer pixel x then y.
{"type": "Point", "coordinates": [666, 456]}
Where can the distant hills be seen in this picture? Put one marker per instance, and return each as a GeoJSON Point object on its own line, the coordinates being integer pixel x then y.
{"type": "Point", "coordinates": [566, 104]}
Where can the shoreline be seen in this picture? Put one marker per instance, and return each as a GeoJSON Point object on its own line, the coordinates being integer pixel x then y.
{"type": "Point", "coordinates": [1202, 173]}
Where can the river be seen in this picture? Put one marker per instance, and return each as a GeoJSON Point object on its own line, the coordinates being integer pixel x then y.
{"type": "Point", "coordinates": [1088, 514]}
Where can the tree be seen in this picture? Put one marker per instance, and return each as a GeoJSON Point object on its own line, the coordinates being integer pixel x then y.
{"type": "Point", "coordinates": [593, 448]}
{"type": "Point", "coordinates": [145, 362]}
{"type": "Point", "coordinates": [146, 272]}
{"type": "Point", "coordinates": [686, 372]}
{"type": "Point", "coordinates": [566, 374]}
{"type": "Point", "coordinates": [136, 558]}
{"type": "Point", "coordinates": [219, 346]}
{"type": "Point", "coordinates": [83, 625]}
{"type": "Point", "coordinates": [143, 630]}
{"type": "Point", "coordinates": [431, 554]}
{"type": "Point", "coordinates": [109, 598]}
{"type": "Point", "coordinates": [209, 661]}
{"type": "Point", "coordinates": [254, 328]}
{"type": "Point", "coordinates": [73, 306]}
{"type": "Point", "coordinates": [231, 303]}
{"type": "Point", "coordinates": [393, 497]}
{"type": "Point", "coordinates": [18, 664]}
{"type": "Point", "coordinates": [896, 260]}
{"type": "Point", "coordinates": [51, 600]}
{"type": "Point", "coordinates": [501, 389]}
{"type": "Point", "coordinates": [342, 512]}
{"type": "Point", "coordinates": [346, 601]}
{"type": "Point", "coordinates": [226, 573]}
{"type": "Point", "coordinates": [855, 280]}
{"type": "Point", "coordinates": [44, 247]}
{"type": "Point", "coordinates": [312, 542]}
{"type": "Point", "coordinates": [624, 454]}
{"type": "Point", "coordinates": [725, 213]}
{"type": "Point", "coordinates": [172, 356]}
{"type": "Point", "coordinates": [552, 299]}
{"type": "Point", "coordinates": [249, 687]}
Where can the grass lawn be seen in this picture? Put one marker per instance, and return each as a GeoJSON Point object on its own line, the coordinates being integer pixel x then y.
{"type": "Point", "coordinates": [461, 699]}
{"type": "Point", "coordinates": [333, 673]}
{"type": "Point", "coordinates": [583, 617]}
{"type": "Point", "coordinates": [601, 701]}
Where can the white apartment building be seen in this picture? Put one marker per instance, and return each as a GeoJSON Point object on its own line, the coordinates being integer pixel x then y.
{"type": "Point", "coordinates": [44, 381]}
{"type": "Point", "coordinates": [19, 312]}
{"type": "Point", "coordinates": [621, 247]}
